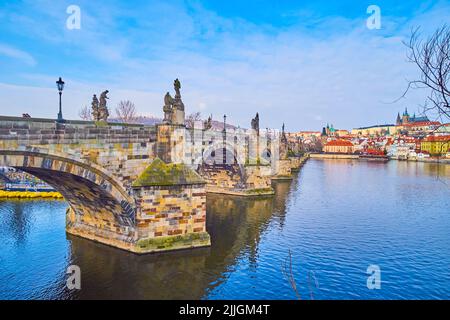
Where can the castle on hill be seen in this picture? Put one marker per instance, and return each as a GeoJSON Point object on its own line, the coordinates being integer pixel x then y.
{"type": "Point", "coordinates": [405, 119]}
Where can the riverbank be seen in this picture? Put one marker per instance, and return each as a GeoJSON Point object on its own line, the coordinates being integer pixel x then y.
{"type": "Point", "coordinates": [374, 158]}
{"type": "Point", "coordinates": [30, 195]}
{"type": "Point", "coordinates": [428, 160]}
{"type": "Point", "coordinates": [333, 156]}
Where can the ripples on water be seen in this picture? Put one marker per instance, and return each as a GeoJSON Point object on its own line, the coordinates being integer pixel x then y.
{"type": "Point", "coordinates": [337, 218]}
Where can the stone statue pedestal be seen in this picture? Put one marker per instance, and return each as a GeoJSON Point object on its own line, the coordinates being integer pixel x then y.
{"type": "Point", "coordinates": [170, 141]}
{"type": "Point", "coordinates": [101, 123]}
{"type": "Point", "coordinates": [178, 117]}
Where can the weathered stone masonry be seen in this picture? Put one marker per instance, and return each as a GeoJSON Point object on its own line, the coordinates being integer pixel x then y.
{"type": "Point", "coordinates": [130, 186]}
{"type": "Point", "coordinates": [171, 202]}
{"type": "Point", "coordinates": [94, 168]}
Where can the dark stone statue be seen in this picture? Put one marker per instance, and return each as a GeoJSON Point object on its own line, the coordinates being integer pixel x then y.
{"type": "Point", "coordinates": [103, 109]}
{"type": "Point", "coordinates": [255, 123]}
{"type": "Point", "coordinates": [94, 112]}
{"type": "Point", "coordinates": [173, 107]}
{"type": "Point", "coordinates": [283, 134]}
{"type": "Point", "coordinates": [168, 100]}
{"type": "Point", "coordinates": [283, 144]}
{"type": "Point", "coordinates": [168, 103]}
{"type": "Point", "coordinates": [177, 103]}
{"type": "Point", "coordinates": [177, 87]}
{"type": "Point", "coordinates": [207, 124]}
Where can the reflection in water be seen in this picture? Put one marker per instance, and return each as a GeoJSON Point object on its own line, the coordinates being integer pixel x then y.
{"type": "Point", "coordinates": [284, 195]}
{"type": "Point", "coordinates": [16, 224]}
{"type": "Point", "coordinates": [235, 225]}
{"type": "Point", "coordinates": [337, 217]}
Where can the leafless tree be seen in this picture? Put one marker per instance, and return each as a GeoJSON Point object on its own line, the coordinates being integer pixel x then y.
{"type": "Point", "coordinates": [191, 118]}
{"type": "Point", "coordinates": [432, 57]}
{"type": "Point", "coordinates": [126, 111]}
{"type": "Point", "coordinates": [85, 113]}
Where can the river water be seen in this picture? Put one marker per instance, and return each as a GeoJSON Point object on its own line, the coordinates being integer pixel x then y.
{"type": "Point", "coordinates": [336, 217]}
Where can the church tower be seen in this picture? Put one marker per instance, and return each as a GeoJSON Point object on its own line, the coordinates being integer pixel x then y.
{"type": "Point", "coordinates": [405, 118]}
{"type": "Point", "coordinates": [399, 120]}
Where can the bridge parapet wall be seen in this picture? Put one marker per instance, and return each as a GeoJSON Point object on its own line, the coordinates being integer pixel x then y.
{"type": "Point", "coordinates": [122, 150]}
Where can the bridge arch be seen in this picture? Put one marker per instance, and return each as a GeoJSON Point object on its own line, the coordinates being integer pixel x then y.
{"type": "Point", "coordinates": [99, 204]}
{"type": "Point", "coordinates": [215, 151]}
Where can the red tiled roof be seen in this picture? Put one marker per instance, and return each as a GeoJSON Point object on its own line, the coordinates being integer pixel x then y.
{"type": "Point", "coordinates": [422, 123]}
{"type": "Point", "coordinates": [303, 132]}
{"type": "Point", "coordinates": [340, 143]}
{"type": "Point", "coordinates": [374, 152]}
{"type": "Point", "coordinates": [437, 138]}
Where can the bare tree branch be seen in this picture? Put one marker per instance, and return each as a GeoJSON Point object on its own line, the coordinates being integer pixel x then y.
{"type": "Point", "coordinates": [192, 118]}
{"type": "Point", "coordinates": [432, 57]}
{"type": "Point", "coordinates": [85, 114]}
{"type": "Point", "coordinates": [126, 111]}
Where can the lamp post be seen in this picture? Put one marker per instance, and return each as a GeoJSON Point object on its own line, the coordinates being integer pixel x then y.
{"type": "Point", "coordinates": [60, 86]}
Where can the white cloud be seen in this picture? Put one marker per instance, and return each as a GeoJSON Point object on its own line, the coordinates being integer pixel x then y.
{"type": "Point", "coordinates": [14, 53]}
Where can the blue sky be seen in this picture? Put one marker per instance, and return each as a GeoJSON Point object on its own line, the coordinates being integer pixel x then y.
{"type": "Point", "coordinates": [305, 63]}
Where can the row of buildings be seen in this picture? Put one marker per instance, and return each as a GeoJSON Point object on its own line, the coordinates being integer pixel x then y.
{"type": "Point", "coordinates": [411, 137]}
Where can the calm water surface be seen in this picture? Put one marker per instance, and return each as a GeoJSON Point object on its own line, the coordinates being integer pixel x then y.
{"type": "Point", "coordinates": [336, 217]}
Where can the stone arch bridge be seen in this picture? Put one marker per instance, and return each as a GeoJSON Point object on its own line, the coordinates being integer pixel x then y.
{"type": "Point", "coordinates": [127, 185]}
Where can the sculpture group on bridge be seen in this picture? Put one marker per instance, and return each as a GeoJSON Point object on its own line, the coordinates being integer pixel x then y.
{"type": "Point", "coordinates": [99, 109]}
{"type": "Point", "coordinates": [207, 124]}
{"type": "Point", "coordinates": [255, 123]}
{"type": "Point", "coordinates": [174, 107]}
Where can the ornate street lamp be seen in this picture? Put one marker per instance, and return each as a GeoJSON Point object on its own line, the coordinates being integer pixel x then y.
{"type": "Point", "coordinates": [60, 86]}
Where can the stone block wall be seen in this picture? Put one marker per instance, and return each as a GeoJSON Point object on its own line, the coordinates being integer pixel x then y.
{"type": "Point", "coordinates": [283, 169]}
{"type": "Point", "coordinates": [171, 217]}
{"type": "Point", "coordinates": [170, 143]}
{"type": "Point", "coordinates": [237, 179]}
{"type": "Point", "coordinates": [222, 177]}
{"type": "Point", "coordinates": [123, 150]}
{"type": "Point", "coordinates": [297, 162]}
{"type": "Point", "coordinates": [258, 179]}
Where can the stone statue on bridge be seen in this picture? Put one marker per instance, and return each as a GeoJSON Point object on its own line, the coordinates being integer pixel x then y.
{"type": "Point", "coordinates": [173, 107]}
{"type": "Point", "coordinates": [94, 111]}
{"type": "Point", "coordinates": [103, 113]}
{"type": "Point", "coordinates": [177, 103]}
{"type": "Point", "coordinates": [168, 102]}
{"type": "Point", "coordinates": [283, 144]}
{"type": "Point", "coordinates": [255, 123]}
{"type": "Point", "coordinates": [207, 124]}
{"type": "Point", "coordinates": [177, 87]}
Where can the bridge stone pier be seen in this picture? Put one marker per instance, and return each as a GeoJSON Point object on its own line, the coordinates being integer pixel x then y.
{"type": "Point", "coordinates": [119, 192]}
